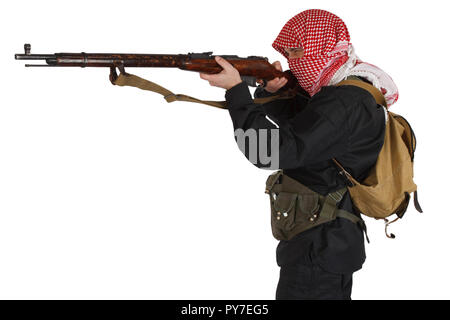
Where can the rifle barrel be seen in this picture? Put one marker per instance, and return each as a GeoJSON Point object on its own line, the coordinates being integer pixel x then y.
{"type": "Point", "coordinates": [34, 56]}
{"type": "Point", "coordinates": [253, 66]}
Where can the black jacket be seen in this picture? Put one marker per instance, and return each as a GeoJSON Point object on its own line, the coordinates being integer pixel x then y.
{"type": "Point", "coordinates": [341, 122]}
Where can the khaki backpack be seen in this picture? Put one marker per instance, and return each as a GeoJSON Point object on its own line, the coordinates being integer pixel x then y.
{"type": "Point", "coordinates": [386, 190]}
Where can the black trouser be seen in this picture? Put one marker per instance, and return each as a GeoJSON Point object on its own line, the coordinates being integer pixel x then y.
{"type": "Point", "coordinates": [311, 282]}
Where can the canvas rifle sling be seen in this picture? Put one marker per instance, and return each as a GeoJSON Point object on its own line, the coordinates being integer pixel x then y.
{"type": "Point", "coordinates": [131, 80]}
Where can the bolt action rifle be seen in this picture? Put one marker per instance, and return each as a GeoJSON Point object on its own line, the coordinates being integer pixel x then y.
{"type": "Point", "coordinates": [251, 69]}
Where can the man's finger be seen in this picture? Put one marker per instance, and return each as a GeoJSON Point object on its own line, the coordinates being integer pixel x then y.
{"type": "Point", "coordinates": [223, 63]}
{"type": "Point", "coordinates": [209, 77]}
{"type": "Point", "coordinates": [205, 76]}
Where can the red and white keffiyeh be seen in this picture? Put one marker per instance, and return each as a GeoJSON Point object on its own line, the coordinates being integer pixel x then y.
{"type": "Point", "coordinates": [328, 54]}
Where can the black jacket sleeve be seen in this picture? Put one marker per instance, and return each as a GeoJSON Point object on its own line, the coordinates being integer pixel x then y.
{"type": "Point", "coordinates": [319, 132]}
{"type": "Point", "coordinates": [260, 92]}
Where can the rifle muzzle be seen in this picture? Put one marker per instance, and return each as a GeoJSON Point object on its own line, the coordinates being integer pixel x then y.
{"type": "Point", "coordinates": [50, 59]}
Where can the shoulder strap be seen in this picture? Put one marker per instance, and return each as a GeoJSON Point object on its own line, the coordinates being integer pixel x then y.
{"type": "Point", "coordinates": [378, 96]}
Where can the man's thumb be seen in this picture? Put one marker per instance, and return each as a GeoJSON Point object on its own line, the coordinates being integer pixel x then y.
{"type": "Point", "coordinates": [277, 65]}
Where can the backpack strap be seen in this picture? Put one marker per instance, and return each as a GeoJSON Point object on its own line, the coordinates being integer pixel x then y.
{"type": "Point", "coordinates": [379, 99]}
{"type": "Point", "coordinates": [416, 203]}
{"type": "Point", "coordinates": [378, 96]}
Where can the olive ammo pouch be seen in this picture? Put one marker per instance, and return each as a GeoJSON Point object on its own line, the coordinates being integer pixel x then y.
{"type": "Point", "coordinates": [295, 208]}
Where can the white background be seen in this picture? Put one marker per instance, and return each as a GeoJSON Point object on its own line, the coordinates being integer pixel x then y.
{"type": "Point", "coordinates": [111, 193]}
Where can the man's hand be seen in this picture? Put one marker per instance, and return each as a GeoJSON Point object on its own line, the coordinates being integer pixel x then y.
{"type": "Point", "coordinates": [275, 84]}
{"type": "Point", "coordinates": [227, 78]}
